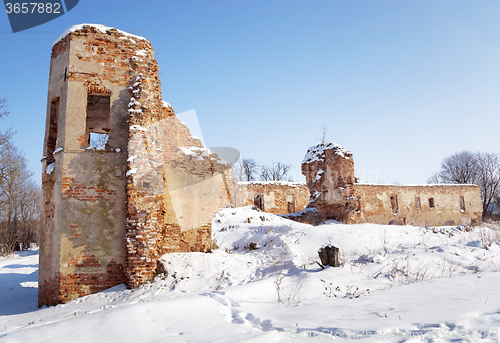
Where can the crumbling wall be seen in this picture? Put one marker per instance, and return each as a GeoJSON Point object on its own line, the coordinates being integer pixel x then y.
{"type": "Point", "coordinates": [82, 247]}
{"type": "Point", "coordinates": [174, 187]}
{"type": "Point", "coordinates": [329, 172]}
{"type": "Point", "coordinates": [110, 210]}
{"type": "Point", "coordinates": [335, 194]}
{"type": "Point", "coordinates": [278, 197]}
{"type": "Point", "coordinates": [418, 205]}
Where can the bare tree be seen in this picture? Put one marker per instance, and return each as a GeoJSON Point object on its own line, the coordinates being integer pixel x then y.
{"type": "Point", "coordinates": [482, 169]}
{"type": "Point", "coordinates": [238, 170]}
{"type": "Point", "coordinates": [488, 178]}
{"type": "Point", "coordinates": [3, 105]}
{"type": "Point", "coordinates": [434, 178]}
{"type": "Point", "coordinates": [461, 167]}
{"type": "Point", "coordinates": [19, 199]}
{"type": "Point", "coordinates": [276, 172]}
{"type": "Point", "coordinates": [250, 167]}
{"type": "Point", "coordinates": [324, 128]}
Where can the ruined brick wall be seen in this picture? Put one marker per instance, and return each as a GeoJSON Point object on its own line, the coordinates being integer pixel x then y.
{"type": "Point", "coordinates": [329, 171]}
{"type": "Point", "coordinates": [83, 188]}
{"type": "Point", "coordinates": [175, 186]}
{"type": "Point", "coordinates": [278, 197]}
{"type": "Point", "coordinates": [417, 205]}
{"type": "Point", "coordinates": [110, 211]}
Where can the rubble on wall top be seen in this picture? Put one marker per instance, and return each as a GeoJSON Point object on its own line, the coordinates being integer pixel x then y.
{"type": "Point", "coordinates": [195, 151]}
{"type": "Point", "coordinates": [283, 183]}
{"type": "Point", "coordinates": [317, 152]}
{"type": "Point", "coordinates": [201, 153]}
{"type": "Point", "coordinates": [102, 28]}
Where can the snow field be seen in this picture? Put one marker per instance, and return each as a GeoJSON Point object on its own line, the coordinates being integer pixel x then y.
{"type": "Point", "coordinates": [264, 283]}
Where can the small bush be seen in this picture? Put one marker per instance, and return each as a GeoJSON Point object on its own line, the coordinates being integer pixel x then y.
{"type": "Point", "coordinates": [250, 246]}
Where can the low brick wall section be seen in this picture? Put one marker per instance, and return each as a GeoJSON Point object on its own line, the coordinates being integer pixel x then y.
{"type": "Point", "coordinates": [417, 205]}
{"type": "Point", "coordinates": [278, 197]}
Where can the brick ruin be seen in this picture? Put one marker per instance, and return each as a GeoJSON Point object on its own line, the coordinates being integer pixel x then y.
{"type": "Point", "coordinates": [124, 182]}
{"type": "Point", "coordinates": [336, 194]}
{"type": "Point", "coordinates": [123, 179]}
{"type": "Point", "coordinates": [278, 197]}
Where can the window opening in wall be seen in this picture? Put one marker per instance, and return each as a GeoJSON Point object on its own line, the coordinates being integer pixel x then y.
{"type": "Point", "coordinates": [462, 203]}
{"type": "Point", "coordinates": [52, 138]}
{"type": "Point", "coordinates": [431, 202]}
{"type": "Point", "coordinates": [418, 206]}
{"type": "Point", "coordinates": [358, 206]}
{"type": "Point", "coordinates": [291, 207]}
{"type": "Point", "coordinates": [98, 140]}
{"type": "Point", "coordinates": [98, 120]}
{"type": "Point", "coordinates": [394, 203]}
{"type": "Point", "coordinates": [258, 202]}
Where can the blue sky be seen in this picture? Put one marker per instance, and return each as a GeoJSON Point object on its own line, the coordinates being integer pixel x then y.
{"type": "Point", "coordinates": [401, 84]}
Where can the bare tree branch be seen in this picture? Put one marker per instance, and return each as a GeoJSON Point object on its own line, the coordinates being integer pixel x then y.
{"type": "Point", "coordinates": [19, 198]}
{"type": "Point", "coordinates": [276, 172]}
{"type": "Point", "coordinates": [461, 167]}
{"type": "Point", "coordinates": [482, 169]}
{"type": "Point", "coordinates": [250, 167]}
{"type": "Point", "coordinates": [488, 178]}
{"type": "Point", "coordinates": [3, 105]}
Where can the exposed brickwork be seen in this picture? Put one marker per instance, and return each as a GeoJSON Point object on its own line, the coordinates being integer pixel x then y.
{"type": "Point", "coordinates": [153, 225]}
{"type": "Point", "coordinates": [74, 189]}
{"type": "Point", "coordinates": [329, 172]}
{"type": "Point", "coordinates": [84, 260]}
{"type": "Point", "coordinates": [49, 293]}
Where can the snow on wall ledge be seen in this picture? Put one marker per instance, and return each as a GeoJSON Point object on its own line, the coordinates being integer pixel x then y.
{"type": "Point", "coordinates": [317, 152]}
{"type": "Point", "coordinates": [102, 28]}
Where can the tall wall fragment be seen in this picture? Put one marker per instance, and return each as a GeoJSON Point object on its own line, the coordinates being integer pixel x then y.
{"type": "Point", "coordinates": [120, 171]}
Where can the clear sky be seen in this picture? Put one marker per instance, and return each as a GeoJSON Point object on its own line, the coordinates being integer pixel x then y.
{"type": "Point", "coordinates": [401, 84]}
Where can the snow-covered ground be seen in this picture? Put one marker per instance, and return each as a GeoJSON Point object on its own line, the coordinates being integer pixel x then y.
{"type": "Point", "coordinates": [396, 284]}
